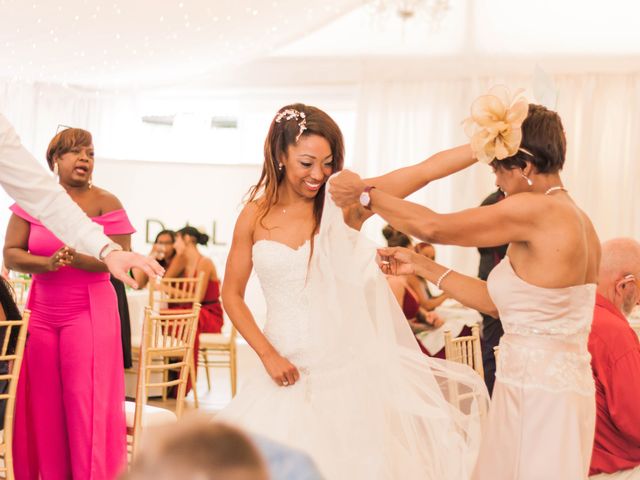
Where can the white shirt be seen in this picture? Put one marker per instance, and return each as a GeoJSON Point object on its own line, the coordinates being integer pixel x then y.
{"type": "Point", "coordinates": [35, 190]}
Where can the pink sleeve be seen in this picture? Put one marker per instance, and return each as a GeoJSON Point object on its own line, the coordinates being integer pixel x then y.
{"type": "Point", "coordinates": [16, 209]}
{"type": "Point", "coordinates": [115, 223]}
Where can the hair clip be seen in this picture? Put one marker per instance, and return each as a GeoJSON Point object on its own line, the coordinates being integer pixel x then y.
{"type": "Point", "coordinates": [290, 114]}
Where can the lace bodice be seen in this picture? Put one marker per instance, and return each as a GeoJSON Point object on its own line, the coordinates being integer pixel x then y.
{"type": "Point", "coordinates": [282, 272]}
{"type": "Point", "coordinates": [546, 332]}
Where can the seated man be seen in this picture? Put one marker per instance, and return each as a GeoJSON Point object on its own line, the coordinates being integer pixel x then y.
{"type": "Point", "coordinates": [615, 352]}
{"type": "Point", "coordinates": [197, 448]}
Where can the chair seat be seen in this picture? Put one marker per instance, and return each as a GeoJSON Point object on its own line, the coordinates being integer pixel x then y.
{"type": "Point", "coordinates": [151, 416]}
{"type": "Point", "coordinates": [214, 340]}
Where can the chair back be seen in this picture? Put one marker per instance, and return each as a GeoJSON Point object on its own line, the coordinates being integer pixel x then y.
{"type": "Point", "coordinates": [171, 293]}
{"type": "Point", "coordinates": [20, 288]}
{"type": "Point", "coordinates": [13, 335]}
{"type": "Point", "coordinates": [167, 345]}
{"type": "Point", "coordinates": [465, 350]}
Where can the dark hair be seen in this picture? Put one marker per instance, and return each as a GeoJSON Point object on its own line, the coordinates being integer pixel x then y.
{"type": "Point", "coordinates": [542, 136]}
{"type": "Point", "coordinates": [421, 245]}
{"type": "Point", "coordinates": [11, 312]}
{"type": "Point", "coordinates": [171, 233]}
{"type": "Point", "coordinates": [285, 133]}
{"type": "Point", "coordinates": [395, 238]}
{"type": "Point", "coordinates": [66, 140]}
{"type": "Point", "coordinates": [199, 237]}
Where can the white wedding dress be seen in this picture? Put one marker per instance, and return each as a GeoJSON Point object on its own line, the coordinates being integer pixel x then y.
{"type": "Point", "coordinates": [369, 404]}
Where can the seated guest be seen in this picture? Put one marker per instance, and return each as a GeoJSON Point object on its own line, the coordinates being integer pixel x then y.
{"type": "Point", "coordinates": [9, 311]}
{"type": "Point", "coordinates": [419, 319]}
{"type": "Point", "coordinates": [412, 292]}
{"type": "Point", "coordinates": [197, 449]}
{"type": "Point", "coordinates": [162, 251]}
{"type": "Point", "coordinates": [615, 359]}
{"type": "Point", "coordinates": [189, 263]}
{"type": "Point", "coordinates": [431, 302]}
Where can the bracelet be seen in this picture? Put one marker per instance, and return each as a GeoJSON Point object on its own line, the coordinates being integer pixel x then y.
{"type": "Point", "coordinates": [442, 278]}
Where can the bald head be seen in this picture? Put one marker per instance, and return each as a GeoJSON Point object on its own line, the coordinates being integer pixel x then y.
{"type": "Point", "coordinates": [620, 257]}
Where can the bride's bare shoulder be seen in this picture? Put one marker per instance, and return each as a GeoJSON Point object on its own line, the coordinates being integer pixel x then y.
{"type": "Point", "coordinates": [246, 222]}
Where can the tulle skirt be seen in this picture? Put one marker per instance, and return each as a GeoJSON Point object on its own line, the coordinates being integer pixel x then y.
{"type": "Point", "coordinates": [369, 404]}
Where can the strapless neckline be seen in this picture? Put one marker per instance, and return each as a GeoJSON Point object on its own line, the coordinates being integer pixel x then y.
{"type": "Point", "coordinates": [288, 247]}
{"type": "Point", "coordinates": [507, 261]}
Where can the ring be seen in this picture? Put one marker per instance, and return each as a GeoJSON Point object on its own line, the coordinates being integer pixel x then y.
{"type": "Point", "coordinates": [285, 383]}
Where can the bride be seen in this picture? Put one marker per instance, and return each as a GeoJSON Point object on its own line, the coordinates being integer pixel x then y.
{"type": "Point", "coordinates": [343, 377]}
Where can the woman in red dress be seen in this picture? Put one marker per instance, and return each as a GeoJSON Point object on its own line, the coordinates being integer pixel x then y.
{"type": "Point", "coordinates": [188, 263]}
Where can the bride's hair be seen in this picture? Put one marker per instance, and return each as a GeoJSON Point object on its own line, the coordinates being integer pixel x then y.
{"type": "Point", "coordinates": [289, 124]}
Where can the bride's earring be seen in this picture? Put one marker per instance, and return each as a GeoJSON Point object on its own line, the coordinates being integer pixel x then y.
{"type": "Point", "coordinates": [280, 166]}
{"type": "Point", "coordinates": [56, 170]}
{"type": "Point", "coordinates": [529, 182]}
{"type": "Point", "coordinates": [90, 183]}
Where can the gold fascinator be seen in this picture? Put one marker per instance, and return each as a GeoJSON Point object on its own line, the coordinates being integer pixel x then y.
{"type": "Point", "coordinates": [495, 124]}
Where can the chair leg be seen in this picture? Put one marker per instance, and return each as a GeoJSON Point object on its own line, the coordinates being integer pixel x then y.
{"type": "Point", "coordinates": [192, 376]}
{"type": "Point", "coordinates": [165, 379]}
{"type": "Point", "coordinates": [205, 356]}
{"type": "Point", "coordinates": [233, 372]}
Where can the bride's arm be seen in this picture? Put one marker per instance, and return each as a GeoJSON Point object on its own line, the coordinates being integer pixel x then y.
{"type": "Point", "coordinates": [237, 272]}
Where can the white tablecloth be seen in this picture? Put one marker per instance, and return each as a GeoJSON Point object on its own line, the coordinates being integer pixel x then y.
{"type": "Point", "coordinates": [137, 300]}
{"type": "Point", "coordinates": [455, 317]}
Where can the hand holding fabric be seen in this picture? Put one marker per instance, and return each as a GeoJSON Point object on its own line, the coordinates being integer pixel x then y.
{"type": "Point", "coordinates": [398, 260]}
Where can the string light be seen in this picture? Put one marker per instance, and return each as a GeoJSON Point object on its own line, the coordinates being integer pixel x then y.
{"type": "Point", "coordinates": [173, 45]}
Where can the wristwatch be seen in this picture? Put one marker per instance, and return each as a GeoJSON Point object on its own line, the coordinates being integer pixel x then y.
{"type": "Point", "coordinates": [365, 198]}
{"type": "Point", "coordinates": [107, 249]}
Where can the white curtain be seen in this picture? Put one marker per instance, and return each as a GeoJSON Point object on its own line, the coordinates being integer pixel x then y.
{"type": "Point", "coordinates": [403, 123]}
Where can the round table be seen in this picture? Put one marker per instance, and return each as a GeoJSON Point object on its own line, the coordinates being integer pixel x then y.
{"type": "Point", "coordinates": [456, 316]}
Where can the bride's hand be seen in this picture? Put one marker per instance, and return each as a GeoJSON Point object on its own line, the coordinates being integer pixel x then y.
{"type": "Point", "coordinates": [281, 370]}
{"type": "Point", "coordinates": [398, 261]}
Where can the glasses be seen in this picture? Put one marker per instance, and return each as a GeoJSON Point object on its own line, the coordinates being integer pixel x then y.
{"type": "Point", "coordinates": [61, 128]}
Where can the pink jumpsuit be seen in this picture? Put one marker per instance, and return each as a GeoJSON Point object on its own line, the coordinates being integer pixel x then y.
{"type": "Point", "coordinates": [70, 421]}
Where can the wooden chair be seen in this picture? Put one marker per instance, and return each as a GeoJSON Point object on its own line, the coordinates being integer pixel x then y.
{"type": "Point", "coordinates": [13, 360]}
{"type": "Point", "coordinates": [465, 350]}
{"type": "Point", "coordinates": [21, 288]}
{"type": "Point", "coordinates": [222, 348]}
{"type": "Point", "coordinates": [167, 345]}
{"type": "Point", "coordinates": [165, 293]}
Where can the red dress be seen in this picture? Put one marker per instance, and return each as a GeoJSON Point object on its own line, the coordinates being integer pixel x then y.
{"type": "Point", "coordinates": [210, 319]}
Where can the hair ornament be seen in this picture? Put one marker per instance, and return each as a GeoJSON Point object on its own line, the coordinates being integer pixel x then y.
{"type": "Point", "coordinates": [495, 124]}
{"type": "Point", "coordinates": [290, 114]}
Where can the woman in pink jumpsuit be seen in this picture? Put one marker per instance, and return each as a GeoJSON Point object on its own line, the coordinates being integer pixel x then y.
{"type": "Point", "coordinates": [70, 420]}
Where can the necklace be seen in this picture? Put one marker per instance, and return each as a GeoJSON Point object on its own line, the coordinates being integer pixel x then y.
{"type": "Point", "coordinates": [554, 189]}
